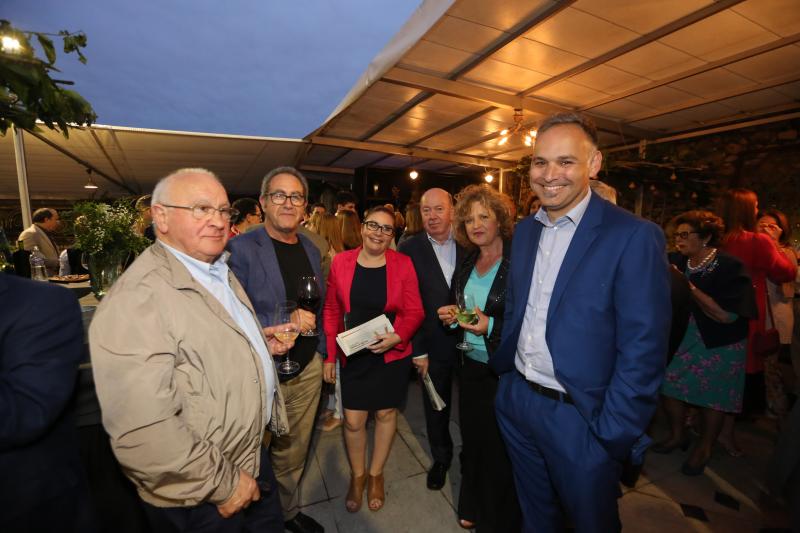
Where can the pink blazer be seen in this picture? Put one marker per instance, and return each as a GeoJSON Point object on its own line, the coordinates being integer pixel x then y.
{"type": "Point", "coordinates": [402, 298]}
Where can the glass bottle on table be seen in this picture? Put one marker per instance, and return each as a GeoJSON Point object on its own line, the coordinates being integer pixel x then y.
{"type": "Point", "coordinates": [287, 330]}
{"type": "Point", "coordinates": [38, 268]}
{"type": "Point", "coordinates": [308, 296]}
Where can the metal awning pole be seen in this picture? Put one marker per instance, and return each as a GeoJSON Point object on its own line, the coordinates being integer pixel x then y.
{"type": "Point", "coordinates": [22, 177]}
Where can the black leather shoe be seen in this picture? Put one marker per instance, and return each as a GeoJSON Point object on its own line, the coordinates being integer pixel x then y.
{"type": "Point", "coordinates": [302, 523]}
{"type": "Point", "coordinates": [436, 476]}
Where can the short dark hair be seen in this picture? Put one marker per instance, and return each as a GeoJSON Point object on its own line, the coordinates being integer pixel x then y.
{"type": "Point", "coordinates": [345, 197]}
{"type": "Point", "coordinates": [571, 117]}
{"type": "Point", "coordinates": [245, 206]}
{"type": "Point", "coordinates": [284, 170]}
{"type": "Point", "coordinates": [705, 223]}
{"type": "Point", "coordinates": [783, 223]}
{"type": "Point", "coordinates": [43, 214]}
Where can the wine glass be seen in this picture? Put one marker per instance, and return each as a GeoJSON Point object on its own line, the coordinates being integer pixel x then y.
{"type": "Point", "coordinates": [285, 315]}
{"type": "Point", "coordinates": [308, 299]}
{"type": "Point", "coordinates": [465, 314]}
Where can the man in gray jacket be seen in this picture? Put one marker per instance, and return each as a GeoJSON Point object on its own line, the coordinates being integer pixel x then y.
{"type": "Point", "coordinates": [184, 372]}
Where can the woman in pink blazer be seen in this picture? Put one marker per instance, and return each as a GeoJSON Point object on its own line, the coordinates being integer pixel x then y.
{"type": "Point", "coordinates": [363, 284]}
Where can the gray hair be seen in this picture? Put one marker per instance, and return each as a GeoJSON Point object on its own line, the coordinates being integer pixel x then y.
{"type": "Point", "coordinates": [604, 190]}
{"type": "Point", "coordinates": [159, 195]}
{"type": "Point", "coordinates": [284, 170]}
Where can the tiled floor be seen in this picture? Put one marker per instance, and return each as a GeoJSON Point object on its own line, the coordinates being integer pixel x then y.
{"type": "Point", "coordinates": [727, 498]}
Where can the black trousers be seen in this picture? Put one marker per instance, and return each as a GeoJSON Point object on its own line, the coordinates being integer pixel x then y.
{"type": "Point", "coordinates": [116, 503]}
{"type": "Point", "coordinates": [438, 422]}
{"type": "Point", "coordinates": [262, 516]}
{"type": "Point", "coordinates": [487, 496]}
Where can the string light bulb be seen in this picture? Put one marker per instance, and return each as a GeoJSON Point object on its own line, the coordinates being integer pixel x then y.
{"type": "Point", "coordinates": [488, 177]}
{"type": "Point", "coordinates": [10, 45]}
{"type": "Point", "coordinates": [413, 174]}
{"type": "Point", "coordinates": [90, 184]}
{"type": "Point", "coordinates": [528, 137]}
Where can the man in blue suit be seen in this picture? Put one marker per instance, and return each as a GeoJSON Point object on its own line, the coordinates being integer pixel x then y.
{"type": "Point", "coordinates": [582, 352]}
{"type": "Point", "coordinates": [42, 482]}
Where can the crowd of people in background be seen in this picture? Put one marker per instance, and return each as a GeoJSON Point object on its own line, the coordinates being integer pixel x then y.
{"type": "Point", "coordinates": [566, 322]}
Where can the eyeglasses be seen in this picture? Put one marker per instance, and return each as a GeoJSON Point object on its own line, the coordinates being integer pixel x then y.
{"type": "Point", "coordinates": [773, 227]}
{"type": "Point", "coordinates": [204, 212]}
{"type": "Point", "coordinates": [279, 198]}
{"type": "Point", "coordinates": [374, 226]}
{"type": "Point", "coordinates": [683, 234]}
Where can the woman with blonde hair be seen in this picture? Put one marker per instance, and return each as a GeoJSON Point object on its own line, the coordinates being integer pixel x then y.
{"type": "Point", "coordinates": [329, 228]}
{"type": "Point", "coordinates": [483, 225]}
{"type": "Point", "coordinates": [351, 229]}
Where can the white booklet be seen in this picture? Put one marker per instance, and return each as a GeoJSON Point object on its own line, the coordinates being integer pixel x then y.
{"type": "Point", "coordinates": [436, 401]}
{"type": "Point", "coordinates": [359, 337]}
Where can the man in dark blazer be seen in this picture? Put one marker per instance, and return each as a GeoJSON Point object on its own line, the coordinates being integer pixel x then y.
{"type": "Point", "coordinates": [585, 333]}
{"type": "Point", "coordinates": [42, 484]}
{"type": "Point", "coordinates": [268, 262]}
{"type": "Point", "coordinates": [436, 255]}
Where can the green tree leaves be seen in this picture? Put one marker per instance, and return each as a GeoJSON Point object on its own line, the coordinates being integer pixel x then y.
{"type": "Point", "coordinates": [28, 93]}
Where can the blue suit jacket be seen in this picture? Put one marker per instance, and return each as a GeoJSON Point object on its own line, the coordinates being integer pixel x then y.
{"type": "Point", "coordinates": [255, 264]}
{"type": "Point", "coordinates": [607, 324]}
{"type": "Point", "coordinates": [41, 345]}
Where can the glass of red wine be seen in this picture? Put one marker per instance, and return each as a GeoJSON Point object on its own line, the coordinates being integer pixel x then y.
{"type": "Point", "coordinates": [308, 295]}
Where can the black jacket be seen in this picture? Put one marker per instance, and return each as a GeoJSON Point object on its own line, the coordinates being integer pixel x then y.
{"type": "Point", "coordinates": [726, 281]}
{"type": "Point", "coordinates": [496, 301]}
{"type": "Point", "coordinates": [432, 338]}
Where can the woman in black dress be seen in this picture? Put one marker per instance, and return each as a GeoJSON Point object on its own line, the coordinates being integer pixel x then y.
{"type": "Point", "coordinates": [363, 284]}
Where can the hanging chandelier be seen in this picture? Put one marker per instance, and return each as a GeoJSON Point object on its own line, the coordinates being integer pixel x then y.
{"type": "Point", "coordinates": [528, 136]}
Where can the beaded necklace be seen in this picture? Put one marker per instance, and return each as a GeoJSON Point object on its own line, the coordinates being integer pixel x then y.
{"type": "Point", "coordinates": [706, 260]}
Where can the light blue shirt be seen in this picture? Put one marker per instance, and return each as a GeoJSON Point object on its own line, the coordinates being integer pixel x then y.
{"type": "Point", "coordinates": [533, 359]}
{"type": "Point", "coordinates": [214, 278]}
{"type": "Point", "coordinates": [445, 255]}
{"type": "Point", "coordinates": [479, 286]}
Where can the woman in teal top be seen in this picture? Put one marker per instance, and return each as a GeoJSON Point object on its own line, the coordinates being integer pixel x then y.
{"type": "Point", "coordinates": [483, 225]}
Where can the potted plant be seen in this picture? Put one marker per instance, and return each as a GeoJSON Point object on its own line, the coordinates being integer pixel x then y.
{"type": "Point", "coordinates": [105, 234]}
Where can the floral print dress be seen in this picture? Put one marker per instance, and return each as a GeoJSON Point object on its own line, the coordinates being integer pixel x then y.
{"type": "Point", "coordinates": [707, 377]}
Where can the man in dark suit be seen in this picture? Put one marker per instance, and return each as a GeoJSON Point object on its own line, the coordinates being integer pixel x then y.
{"type": "Point", "coordinates": [42, 484]}
{"type": "Point", "coordinates": [585, 332]}
{"type": "Point", "coordinates": [436, 255]}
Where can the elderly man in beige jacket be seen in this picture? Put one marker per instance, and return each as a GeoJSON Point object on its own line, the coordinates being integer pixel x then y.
{"type": "Point", "coordinates": [184, 372]}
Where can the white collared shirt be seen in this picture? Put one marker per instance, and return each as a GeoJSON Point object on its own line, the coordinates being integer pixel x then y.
{"type": "Point", "coordinates": [445, 255]}
{"type": "Point", "coordinates": [533, 359]}
{"type": "Point", "coordinates": [214, 278]}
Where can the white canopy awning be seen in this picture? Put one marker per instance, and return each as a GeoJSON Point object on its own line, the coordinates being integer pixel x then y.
{"type": "Point", "coordinates": [449, 82]}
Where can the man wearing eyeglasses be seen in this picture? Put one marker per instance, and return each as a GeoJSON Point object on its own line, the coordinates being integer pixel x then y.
{"type": "Point", "coordinates": [270, 262]}
{"type": "Point", "coordinates": [184, 372]}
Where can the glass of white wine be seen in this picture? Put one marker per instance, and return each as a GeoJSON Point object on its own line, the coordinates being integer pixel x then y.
{"type": "Point", "coordinates": [287, 331]}
{"type": "Point", "coordinates": [465, 314]}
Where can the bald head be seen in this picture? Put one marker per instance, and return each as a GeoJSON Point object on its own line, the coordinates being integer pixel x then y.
{"type": "Point", "coordinates": [436, 206]}
{"type": "Point", "coordinates": [174, 198]}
